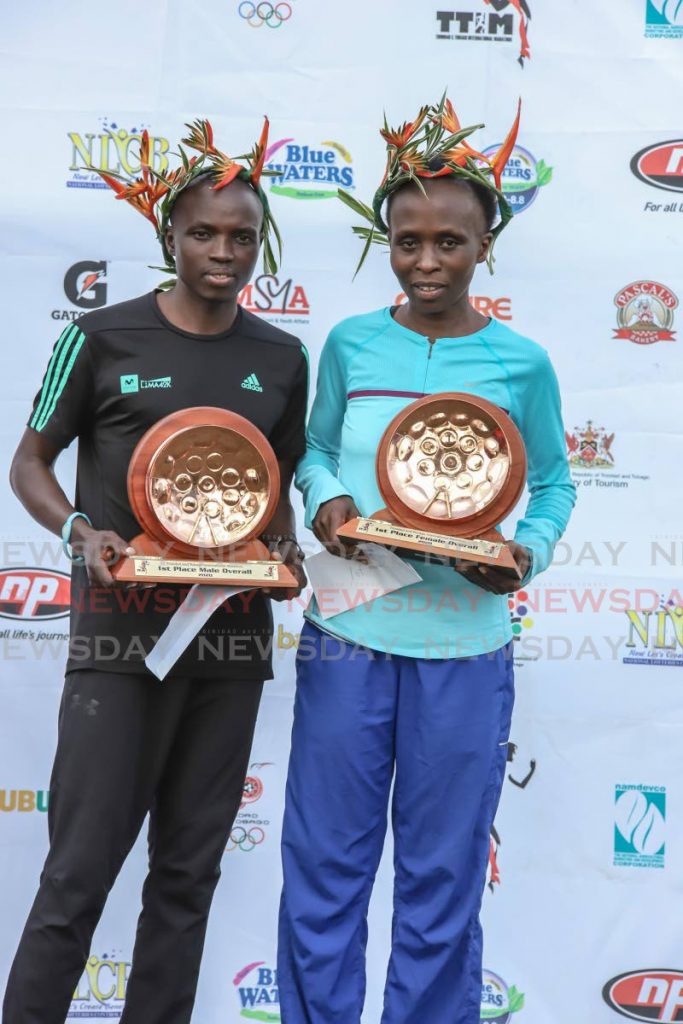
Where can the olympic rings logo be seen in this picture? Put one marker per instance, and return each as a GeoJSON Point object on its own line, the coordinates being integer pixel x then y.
{"type": "Point", "coordinates": [243, 840]}
{"type": "Point", "coordinates": [274, 15]}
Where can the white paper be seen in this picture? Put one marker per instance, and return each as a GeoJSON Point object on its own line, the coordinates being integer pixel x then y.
{"type": "Point", "coordinates": [340, 584]}
{"type": "Point", "coordinates": [201, 602]}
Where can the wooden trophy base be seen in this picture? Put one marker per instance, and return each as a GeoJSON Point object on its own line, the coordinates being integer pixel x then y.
{"type": "Point", "coordinates": [383, 528]}
{"type": "Point", "coordinates": [248, 564]}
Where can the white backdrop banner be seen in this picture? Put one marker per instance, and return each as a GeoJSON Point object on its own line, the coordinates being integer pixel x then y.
{"type": "Point", "coordinates": [587, 851]}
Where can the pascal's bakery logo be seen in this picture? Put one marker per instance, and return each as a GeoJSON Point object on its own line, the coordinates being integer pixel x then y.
{"type": "Point", "coordinates": [645, 313]}
{"type": "Point", "coordinates": [309, 170]}
{"type": "Point", "coordinates": [650, 995]}
{"type": "Point", "coordinates": [112, 148]}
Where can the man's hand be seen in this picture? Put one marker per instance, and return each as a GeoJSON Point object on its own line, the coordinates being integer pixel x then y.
{"type": "Point", "coordinates": [101, 550]}
{"type": "Point", "coordinates": [330, 516]}
{"type": "Point", "coordinates": [291, 554]}
{"type": "Point", "coordinates": [498, 580]}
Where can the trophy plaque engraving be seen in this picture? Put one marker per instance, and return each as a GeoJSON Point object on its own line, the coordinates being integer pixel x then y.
{"type": "Point", "coordinates": [450, 467]}
{"type": "Point", "coordinates": [203, 483]}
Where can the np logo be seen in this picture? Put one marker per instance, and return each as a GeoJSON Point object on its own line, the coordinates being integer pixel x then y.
{"type": "Point", "coordinates": [251, 383]}
{"type": "Point", "coordinates": [661, 165]}
{"type": "Point", "coordinates": [654, 995]}
{"type": "Point", "coordinates": [131, 382]}
{"type": "Point", "coordinates": [33, 595]}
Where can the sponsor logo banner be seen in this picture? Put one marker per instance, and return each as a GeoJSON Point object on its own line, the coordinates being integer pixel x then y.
{"type": "Point", "coordinates": [645, 313]}
{"type": "Point", "coordinates": [655, 636]}
{"type": "Point", "coordinates": [487, 21]}
{"type": "Point", "coordinates": [664, 19]}
{"type": "Point", "coordinates": [647, 995]}
{"type": "Point", "coordinates": [309, 170]}
{"type": "Point", "coordinates": [498, 1001]}
{"type": "Point", "coordinates": [257, 992]}
{"type": "Point", "coordinates": [661, 166]}
{"type": "Point", "coordinates": [112, 148]}
{"type": "Point", "coordinates": [24, 801]}
{"type": "Point", "coordinates": [102, 989]}
{"type": "Point", "coordinates": [639, 826]}
{"type": "Point", "coordinates": [85, 286]}
{"type": "Point", "coordinates": [277, 300]}
{"type": "Point", "coordinates": [265, 14]}
{"type": "Point", "coordinates": [523, 177]}
{"type": "Point", "coordinates": [251, 827]}
{"type": "Point", "coordinates": [33, 595]}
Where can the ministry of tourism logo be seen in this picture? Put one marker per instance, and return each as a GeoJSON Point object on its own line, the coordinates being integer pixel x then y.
{"type": "Point", "coordinates": [250, 828]}
{"type": "Point", "coordinates": [664, 19]}
{"type": "Point", "coordinates": [257, 992]}
{"type": "Point", "coordinates": [655, 637]}
{"type": "Point", "coordinates": [264, 14]}
{"type": "Point", "coordinates": [590, 447]}
{"type": "Point", "coordinates": [639, 826]}
{"type": "Point", "coordinates": [523, 176]}
{"type": "Point", "coordinates": [309, 171]}
{"type": "Point", "coordinates": [499, 1002]}
{"type": "Point", "coordinates": [646, 995]}
{"type": "Point", "coordinates": [277, 300]}
{"type": "Point", "coordinates": [102, 989]}
{"type": "Point", "coordinates": [487, 21]}
{"type": "Point", "coordinates": [112, 148]}
{"type": "Point", "coordinates": [645, 313]}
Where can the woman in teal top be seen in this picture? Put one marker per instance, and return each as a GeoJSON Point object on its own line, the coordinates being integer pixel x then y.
{"type": "Point", "coordinates": [416, 687]}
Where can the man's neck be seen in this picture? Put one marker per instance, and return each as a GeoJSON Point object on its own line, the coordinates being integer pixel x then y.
{"type": "Point", "coordinates": [195, 315]}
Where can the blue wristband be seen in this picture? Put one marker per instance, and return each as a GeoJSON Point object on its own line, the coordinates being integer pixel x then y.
{"type": "Point", "coordinates": [66, 537]}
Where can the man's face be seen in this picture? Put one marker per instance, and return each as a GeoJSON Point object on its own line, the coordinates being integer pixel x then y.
{"type": "Point", "coordinates": [215, 237]}
{"type": "Point", "coordinates": [436, 243]}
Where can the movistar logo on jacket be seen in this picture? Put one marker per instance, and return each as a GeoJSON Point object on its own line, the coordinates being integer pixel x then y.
{"type": "Point", "coordinates": [252, 383]}
{"type": "Point", "coordinates": [131, 382]}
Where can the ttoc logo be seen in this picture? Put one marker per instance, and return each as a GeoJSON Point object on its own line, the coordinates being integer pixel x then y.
{"type": "Point", "coordinates": [499, 309]}
{"type": "Point", "coordinates": [256, 986]}
{"type": "Point", "coordinates": [33, 595]}
{"type": "Point", "coordinates": [654, 995]}
{"type": "Point", "coordinates": [268, 296]}
{"type": "Point", "coordinates": [85, 284]}
{"type": "Point", "coordinates": [102, 988]}
{"type": "Point", "coordinates": [24, 801]}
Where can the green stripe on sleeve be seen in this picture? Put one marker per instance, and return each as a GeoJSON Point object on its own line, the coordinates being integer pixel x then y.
{"type": "Point", "coordinates": [61, 377]}
{"type": "Point", "coordinates": [62, 343]}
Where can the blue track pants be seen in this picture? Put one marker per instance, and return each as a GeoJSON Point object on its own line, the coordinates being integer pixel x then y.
{"type": "Point", "coordinates": [441, 727]}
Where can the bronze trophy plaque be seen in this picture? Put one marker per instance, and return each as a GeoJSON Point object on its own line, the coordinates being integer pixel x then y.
{"type": "Point", "coordinates": [450, 467]}
{"type": "Point", "coordinates": [203, 483]}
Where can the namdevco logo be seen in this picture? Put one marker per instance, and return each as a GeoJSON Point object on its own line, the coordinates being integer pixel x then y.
{"type": "Point", "coordinates": [639, 826]}
{"type": "Point", "coordinates": [664, 19]}
{"type": "Point", "coordinates": [257, 991]}
{"type": "Point", "coordinates": [660, 165]}
{"type": "Point", "coordinates": [647, 995]}
{"type": "Point", "coordinates": [498, 1002]}
{"type": "Point", "coordinates": [102, 989]}
{"type": "Point", "coordinates": [645, 313]}
{"type": "Point", "coordinates": [309, 171]}
{"type": "Point", "coordinates": [115, 149]}
{"type": "Point", "coordinates": [523, 176]}
{"type": "Point", "coordinates": [33, 595]}
{"type": "Point", "coordinates": [270, 15]}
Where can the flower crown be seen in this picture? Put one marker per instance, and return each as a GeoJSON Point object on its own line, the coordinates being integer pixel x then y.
{"type": "Point", "coordinates": [154, 194]}
{"type": "Point", "coordinates": [432, 146]}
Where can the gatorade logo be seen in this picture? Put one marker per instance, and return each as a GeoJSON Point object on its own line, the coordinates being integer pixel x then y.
{"type": "Point", "coordinates": [33, 595]}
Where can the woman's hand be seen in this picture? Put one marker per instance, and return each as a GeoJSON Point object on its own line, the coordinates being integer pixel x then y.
{"type": "Point", "coordinates": [330, 516]}
{"type": "Point", "coordinates": [495, 579]}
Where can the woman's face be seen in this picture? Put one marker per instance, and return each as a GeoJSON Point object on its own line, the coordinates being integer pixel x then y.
{"type": "Point", "coordinates": [436, 243]}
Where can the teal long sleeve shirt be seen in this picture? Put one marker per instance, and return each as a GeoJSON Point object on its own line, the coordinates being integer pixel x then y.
{"type": "Point", "coordinates": [371, 368]}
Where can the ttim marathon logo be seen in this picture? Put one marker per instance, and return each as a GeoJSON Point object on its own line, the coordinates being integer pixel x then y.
{"type": "Point", "coordinates": [33, 595]}
{"type": "Point", "coordinates": [654, 995]}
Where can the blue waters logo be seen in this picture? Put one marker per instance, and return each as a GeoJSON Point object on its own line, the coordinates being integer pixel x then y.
{"type": "Point", "coordinates": [498, 1001]}
{"type": "Point", "coordinates": [523, 176]}
{"type": "Point", "coordinates": [259, 999]}
{"type": "Point", "coordinates": [304, 171]}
